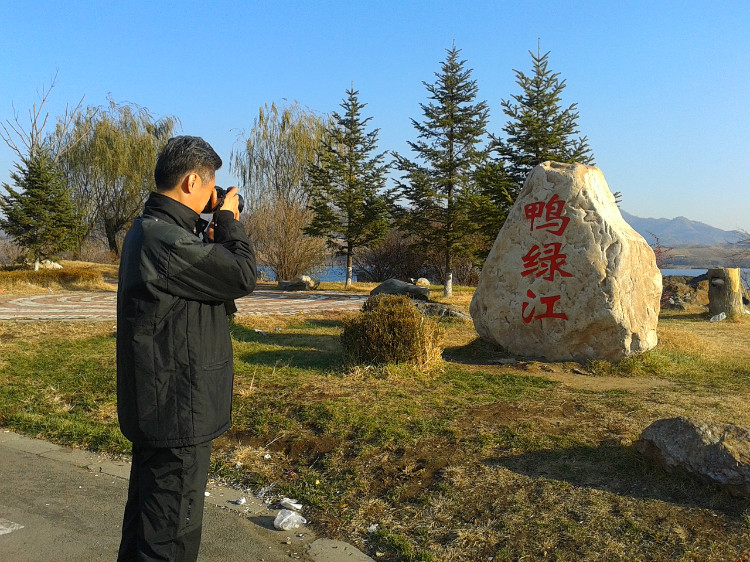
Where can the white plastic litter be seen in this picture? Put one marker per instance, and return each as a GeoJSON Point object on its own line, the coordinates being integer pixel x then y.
{"type": "Point", "coordinates": [287, 520]}
{"type": "Point", "coordinates": [241, 500]}
{"type": "Point", "coordinates": [719, 317]}
{"type": "Point", "coordinates": [289, 503]}
{"type": "Point", "coordinates": [263, 492]}
{"type": "Point", "coordinates": [267, 456]}
{"type": "Point", "coordinates": [373, 528]}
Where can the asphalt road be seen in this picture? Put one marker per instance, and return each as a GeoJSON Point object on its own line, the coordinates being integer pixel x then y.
{"type": "Point", "coordinates": [65, 505]}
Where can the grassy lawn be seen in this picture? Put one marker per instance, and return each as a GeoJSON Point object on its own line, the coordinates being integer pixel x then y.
{"type": "Point", "coordinates": [474, 460]}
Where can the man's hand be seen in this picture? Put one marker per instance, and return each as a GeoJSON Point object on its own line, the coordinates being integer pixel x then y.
{"type": "Point", "coordinates": [231, 202]}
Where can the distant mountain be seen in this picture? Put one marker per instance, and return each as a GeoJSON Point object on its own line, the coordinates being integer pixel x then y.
{"type": "Point", "coordinates": [680, 231]}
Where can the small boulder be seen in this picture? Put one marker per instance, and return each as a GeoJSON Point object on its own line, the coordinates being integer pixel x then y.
{"type": "Point", "coordinates": [440, 310]}
{"type": "Point", "coordinates": [302, 283]}
{"type": "Point", "coordinates": [398, 287]}
{"type": "Point", "coordinates": [715, 452]}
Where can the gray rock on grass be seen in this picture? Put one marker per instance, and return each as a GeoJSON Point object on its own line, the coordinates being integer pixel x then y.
{"type": "Point", "coordinates": [714, 452]}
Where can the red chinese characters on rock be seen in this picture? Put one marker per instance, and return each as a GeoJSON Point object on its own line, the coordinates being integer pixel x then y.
{"type": "Point", "coordinates": [549, 308]}
{"type": "Point", "coordinates": [547, 261]}
{"type": "Point", "coordinates": [545, 264]}
{"type": "Point", "coordinates": [551, 210]}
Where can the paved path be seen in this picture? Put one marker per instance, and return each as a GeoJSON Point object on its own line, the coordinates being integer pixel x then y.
{"type": "Point", "coordinates": [81, 305]}
{"type": "Point", "coordinates": [66, 505]}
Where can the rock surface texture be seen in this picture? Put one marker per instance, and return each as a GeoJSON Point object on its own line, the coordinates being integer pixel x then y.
{"type": "Point", "coordinates": [567, 277]}
{"type": "Point", "coordinates": [398, 287]}
{"type": "Point", "coordinates": [302, 283]}
{"type": "Point", "coordinates": [716, 452]}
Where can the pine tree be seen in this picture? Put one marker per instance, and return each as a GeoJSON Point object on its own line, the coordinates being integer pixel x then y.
{"type": "Point", "coordinates": [539, 129]}
{"type": "Point", "coordinates": [439, 190]}
{"type": "Point", "coordinates": [345, 184]}
{"type": "Point", "coordinates": [40, 215]}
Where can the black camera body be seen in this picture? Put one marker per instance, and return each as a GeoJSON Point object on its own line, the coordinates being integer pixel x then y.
{"type": "Point", "coordinates": [221, 193]}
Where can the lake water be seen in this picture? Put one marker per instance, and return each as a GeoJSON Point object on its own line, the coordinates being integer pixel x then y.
{"type": "Point", "coordinates": [338, 273]}
{"type": "Point", "coordinates": [695, 272]}
{"type": "Point", "coordinates": [331, 273]}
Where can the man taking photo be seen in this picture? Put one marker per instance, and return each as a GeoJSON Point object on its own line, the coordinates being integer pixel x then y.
{"type": "Point", "coordinates": [174, 351]}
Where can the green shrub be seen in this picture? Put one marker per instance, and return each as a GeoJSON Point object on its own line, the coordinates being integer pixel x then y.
{"type": "Point", "coordinates": [391, 330]}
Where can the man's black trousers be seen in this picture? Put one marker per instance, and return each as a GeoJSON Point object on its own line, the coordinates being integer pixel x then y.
{"type": "Point", "coordinates": [164, 512]}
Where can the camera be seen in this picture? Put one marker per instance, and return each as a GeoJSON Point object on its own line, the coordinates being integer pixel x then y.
{"type": "Point", "coordinates": [221, 193]}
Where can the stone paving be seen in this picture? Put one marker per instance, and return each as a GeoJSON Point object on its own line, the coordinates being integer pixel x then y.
{"type": "Point", "coordinates": [102, 305]}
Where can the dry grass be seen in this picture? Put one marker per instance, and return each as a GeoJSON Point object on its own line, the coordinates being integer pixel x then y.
{"type": "Point", "coordinates": [471, 461]}
{"type": "Point", "coordinates": [75, 276]}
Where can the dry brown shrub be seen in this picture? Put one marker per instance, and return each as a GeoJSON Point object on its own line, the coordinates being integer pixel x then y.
{"type": "Point", "coordinates": [391, 330]}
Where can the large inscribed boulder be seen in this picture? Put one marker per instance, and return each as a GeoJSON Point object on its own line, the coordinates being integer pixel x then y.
{"type": "Point", "coordinates": [567, 277]}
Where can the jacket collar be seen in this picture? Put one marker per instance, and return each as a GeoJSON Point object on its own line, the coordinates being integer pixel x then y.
{"type": "Point", "coordinates": [163, 207]}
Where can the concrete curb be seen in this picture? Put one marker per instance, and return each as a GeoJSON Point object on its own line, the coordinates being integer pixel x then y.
{"type": "Point", "coordinates": [303, 539]}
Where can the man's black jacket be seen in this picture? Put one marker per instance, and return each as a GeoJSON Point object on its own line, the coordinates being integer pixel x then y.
{"type": "Point", "coordinates": [174, 351]}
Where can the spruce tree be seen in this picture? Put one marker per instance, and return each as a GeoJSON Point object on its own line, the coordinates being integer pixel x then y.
{"type": "Point", "coordinates": [345, 183]}
{"type": "Point", "coordinates": [39, 213]}
{"type": "Point", "coordinates": [539, 128]}
{"type": "Point", "coordinates": [439, 188]}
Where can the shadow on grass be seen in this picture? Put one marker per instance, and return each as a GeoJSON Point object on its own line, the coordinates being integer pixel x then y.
{"type": "Point", "coordinates": [298, 357]}
{"type": "Point", "coordinates": [690, 316]}
{"type": "Point", "coordinates": [476, 352]}
{"type": "Point", "coordinates": [623, 471]}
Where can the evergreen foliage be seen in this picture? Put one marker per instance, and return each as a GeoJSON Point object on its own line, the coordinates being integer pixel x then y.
{"type": "Point", "coordinates": [539, 129]}
{"type": "Point", "coordinates": [440, 191]}
{"type": "Point", "coordinates": [345, 183]}
{"type": "Point", "coordinates": [39, 213]}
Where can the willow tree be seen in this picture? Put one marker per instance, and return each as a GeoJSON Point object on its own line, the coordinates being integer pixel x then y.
{"type": "Point", "coordinates": [110, 171]}
{"type": "Point", "coordinates": [272, 163]}
{"type": "Point", "coordinates": [345, 184]}
{"type": "Point", "coordinates": [438, 186]}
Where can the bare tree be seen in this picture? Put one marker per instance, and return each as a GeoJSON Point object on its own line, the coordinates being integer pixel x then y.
{"type": "Point", "coordinates": [27, 141]}
{"type": "Point", "coordinates": [272, 163]}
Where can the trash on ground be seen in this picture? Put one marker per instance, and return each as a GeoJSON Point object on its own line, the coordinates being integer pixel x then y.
{"type": "Point", "coordinates": [719, 317]}
{"type": "Point", "coordinates": [290, 504]}
{"type": "Point", "coordinates": [240, 501]}
{"type": "Point", "coordinates": [263, 492]}
{"type": "Point", "coordinates": [373, 528]}
{"type": "Point", "coordinates": [287, 520]}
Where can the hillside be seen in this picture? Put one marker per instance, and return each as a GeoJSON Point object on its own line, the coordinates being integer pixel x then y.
{"type": "Point", "coordinates": [681, 231]}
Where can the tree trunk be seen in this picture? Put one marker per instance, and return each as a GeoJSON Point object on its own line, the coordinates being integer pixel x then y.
{"type": "Point", "coordinates": [725, 292]}
{"type": "Point", "coordinates": [448, 287]}
{"type": "Point", "coordinates": [349, 270]}
{"type": "Point", "coordinates": [112, 242]}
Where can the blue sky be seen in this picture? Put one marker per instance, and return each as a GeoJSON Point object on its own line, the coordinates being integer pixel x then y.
{"type": "Point", "coordinates": [662, 87]}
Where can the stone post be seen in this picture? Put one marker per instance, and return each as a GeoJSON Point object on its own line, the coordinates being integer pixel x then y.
{"type": "Point", "coordinates": [725, 291]}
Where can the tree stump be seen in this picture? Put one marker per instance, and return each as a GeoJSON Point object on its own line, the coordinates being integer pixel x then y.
{"type": "Point", "coordinates": [725, 291]}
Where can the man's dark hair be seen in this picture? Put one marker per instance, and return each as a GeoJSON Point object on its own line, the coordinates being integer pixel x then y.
{"type": "Point", "coordinates": [184, 155]}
